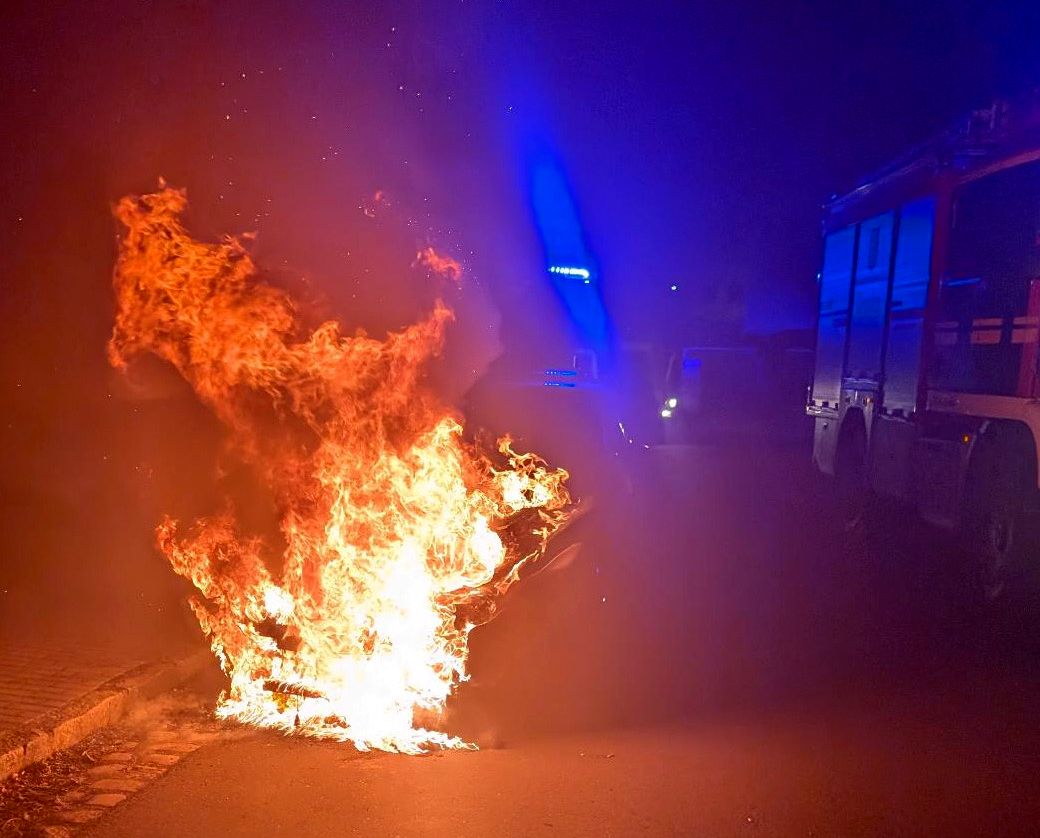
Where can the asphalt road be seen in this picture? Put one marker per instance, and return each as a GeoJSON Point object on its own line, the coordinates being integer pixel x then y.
{"type": "Point", "coordinates": [853, 776]}
{"type": "Point", "coordinates": [725, 657]}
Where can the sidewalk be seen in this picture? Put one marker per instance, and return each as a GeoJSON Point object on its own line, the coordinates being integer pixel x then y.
{"type": "Point", "coordinates": [38, 677]}
{"type": "Point", "coordinates": [72, 667]}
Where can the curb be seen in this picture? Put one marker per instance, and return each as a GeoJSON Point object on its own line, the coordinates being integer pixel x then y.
{"type": "Point", "coordinates": [45, 735]}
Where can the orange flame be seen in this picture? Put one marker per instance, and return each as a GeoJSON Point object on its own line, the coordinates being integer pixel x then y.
{"type": "Point", "coordinates": [399, 536]}
{"type": "Point", "coordinates": [439, 264]}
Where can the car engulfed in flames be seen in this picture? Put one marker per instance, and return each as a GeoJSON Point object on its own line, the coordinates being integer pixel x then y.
{"type": "Point", "coordinates": [396, 534]}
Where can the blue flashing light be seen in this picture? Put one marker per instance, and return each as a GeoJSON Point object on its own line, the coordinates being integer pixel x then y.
{"type": "Point", "coordinates": [561, 372]}
{"type": "Point", "coordinates": [564, 270]}
{"type": "Point", "coordinates": [569, 384]}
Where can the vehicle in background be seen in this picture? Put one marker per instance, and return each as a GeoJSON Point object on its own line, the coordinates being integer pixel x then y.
{"type": "Point", "coordinates": [718, 392]}
{"type": "Point", "coordinates": [700, 382]}
{"type": "Point", "coordinates": [599, 424]}
{"type": "Point", "coordinates": [926, 379]}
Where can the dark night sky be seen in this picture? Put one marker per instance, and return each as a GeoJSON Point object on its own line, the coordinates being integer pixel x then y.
{"type": "Point", "coordinates": [703, 137]}
{"type": "Point", "coordinates": [699, 138]}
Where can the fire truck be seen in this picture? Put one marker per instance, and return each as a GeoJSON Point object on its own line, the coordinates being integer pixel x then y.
{"type": "Point", "coordinates": [927, 377]}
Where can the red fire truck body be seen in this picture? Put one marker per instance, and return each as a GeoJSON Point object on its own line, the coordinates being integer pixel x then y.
{"type": "Point", "coordinates": [926, 385]}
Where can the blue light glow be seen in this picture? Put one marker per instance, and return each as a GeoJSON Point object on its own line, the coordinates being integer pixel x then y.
{"type": "Point", "coordinates": [568, 271]}
{"type": "Point", "coordinates": [568, 260]}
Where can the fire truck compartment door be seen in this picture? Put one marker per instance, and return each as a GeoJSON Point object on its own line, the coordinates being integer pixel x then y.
{"type": "Point", "coordinates": [909, 296]}
{"type": "Point", "coordinates": [835, 280]}
{"type": "Point", "coordinates": [869, 295]}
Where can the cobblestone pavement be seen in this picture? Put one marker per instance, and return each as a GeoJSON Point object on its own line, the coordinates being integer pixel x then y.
{"type": "Point", "coordinates": [53, 651]}
{"type": "Point", "coordinates": [60, 795]}
{"type": "Point", "coordinates": [39, 676]}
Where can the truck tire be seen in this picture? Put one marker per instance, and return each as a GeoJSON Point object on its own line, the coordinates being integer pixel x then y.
{"type": "Point", "coordinates": [999, 498]}
{"type": "Point", "coordinates": [850, 470]}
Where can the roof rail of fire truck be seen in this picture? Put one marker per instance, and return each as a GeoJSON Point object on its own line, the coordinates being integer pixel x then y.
{"type": "Point", "coordinates": [980, 134]}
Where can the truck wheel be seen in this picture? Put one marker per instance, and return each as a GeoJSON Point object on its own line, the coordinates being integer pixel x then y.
{"type": "Point", "coordinates": [997, 521]}
{"type": "Point", "coordinates": [850, 468]}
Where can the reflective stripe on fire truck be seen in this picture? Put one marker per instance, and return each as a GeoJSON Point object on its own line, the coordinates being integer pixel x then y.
{"type": "Point", "coordinates": [989, 331]}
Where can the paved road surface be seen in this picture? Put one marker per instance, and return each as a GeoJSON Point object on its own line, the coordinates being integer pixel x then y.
{"type": "Point", "coordinates": [855, 773]}
{"type": "Point", "coordinates": [724, 658]}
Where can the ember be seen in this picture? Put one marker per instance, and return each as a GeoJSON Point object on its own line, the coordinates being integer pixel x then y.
{"type": "Point", "coordinates": [399, 535]}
